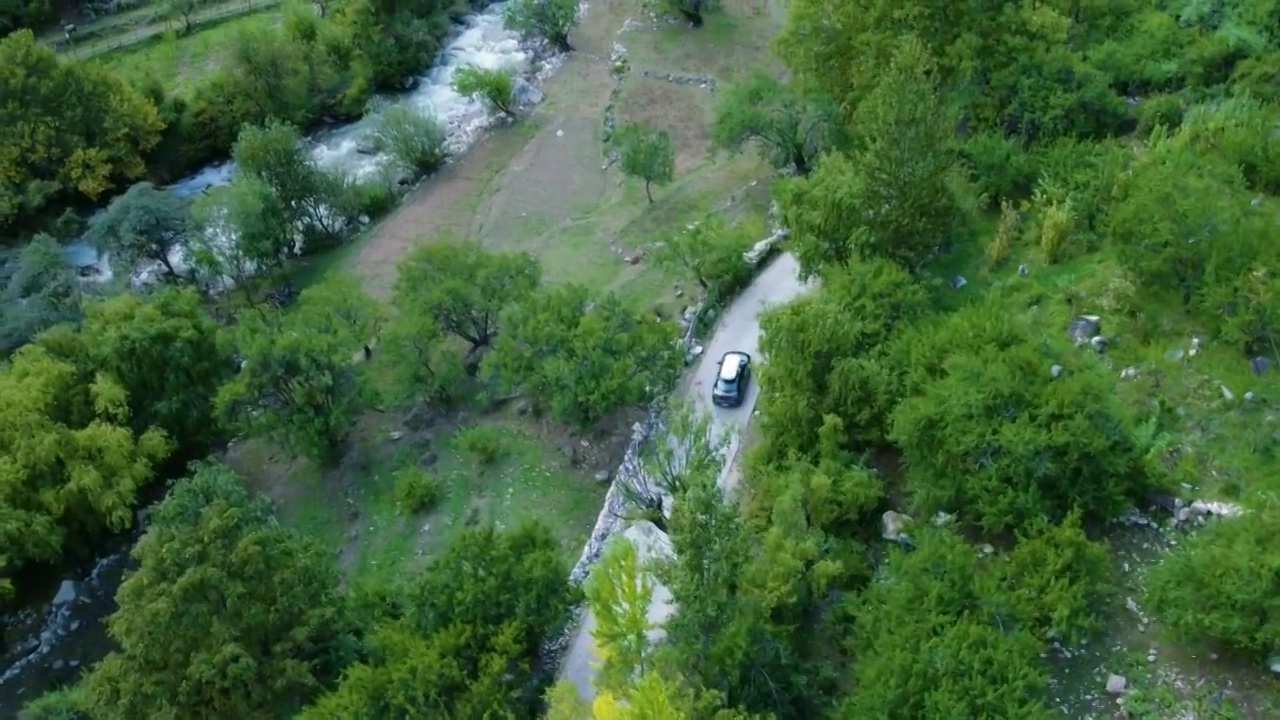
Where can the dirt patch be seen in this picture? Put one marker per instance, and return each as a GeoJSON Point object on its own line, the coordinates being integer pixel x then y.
{"type": "Point", "coordinates": [678, 109]}
{"type": "Point", "coordinates": [444, 203]}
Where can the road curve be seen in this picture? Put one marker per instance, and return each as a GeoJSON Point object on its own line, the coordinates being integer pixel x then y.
{"type": "Point", "coordinates": [738, 328]}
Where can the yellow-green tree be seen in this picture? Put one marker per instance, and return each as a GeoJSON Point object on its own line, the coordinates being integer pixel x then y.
{"type": "Point", "coordinates": [70, 466]}
{"type": "Point", "coordinates": [65, 127]}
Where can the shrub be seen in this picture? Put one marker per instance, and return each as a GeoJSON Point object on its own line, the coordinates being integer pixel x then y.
{"type": "Point", "coordinates": [1223, 583]}
{"type": "Point", "coordinates": [482, 442]}
{"type": "Point", "coordinates": [415, 141]}
{"type": "Point", "coordinates": [496, 88]}
{"type": "Point", "coordinates": [416, 490]}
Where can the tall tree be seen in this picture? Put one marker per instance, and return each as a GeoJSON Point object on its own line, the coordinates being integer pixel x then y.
{"type": "Point", "coordinates": [165, 351]}
{"type": "Point", "coordinates": [990, 434]}
{"type": "Point", "coordinates": [712, 252]}
{"type": "Point", "coordinates": [229, 614]}
{"type": "Point", "coordinates": [273, 154]}
{"type": "Point", "coordinates": [646, 154]}
{"type": "Point", "coordinates": [72, 467]}
{"type": "Point", "coordinates": [550, 20]}
{"type": "Point", "coordinates": [582, 356]}
{"type": "Point", "coordinates": [464, 287]}
{"type": "Point", "coordinates": [790, 127]}
{"type": "Point", "coordinates": [143, 226]}
{"type": "Point", "coordinates": [65, 127]}
{"type": "Point", "coordinates": [890, 197]}
{"type": "Point", "coordinates": [826, 356]}
{"type": "Point", "coordinates": [467, 642]}
{"type": "Point", "coordinates": [619, 592]}
{"type": "Point", "coordinates": [41, 292]}
{"type": "Point", "coordinates": [298, 385]}
{"type": "Point", "coordinates": [930, 641]}
{"type": "Point", "coordinates": [240, 230]}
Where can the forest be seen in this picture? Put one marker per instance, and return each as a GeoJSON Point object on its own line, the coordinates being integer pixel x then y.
{"type": "Point", "coordinates": [1044, 302]}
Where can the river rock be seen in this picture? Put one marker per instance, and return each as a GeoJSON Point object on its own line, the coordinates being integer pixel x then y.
{"type": "Point", "coordinates": [525, 93]}
{"type": "Point", "coordinates": [68, 591]}
{"type": "Point", "coordinates": [1116, 684]}
{"type": "Point", "coordinates": [1084, 328]}
{"type": "Point", "coordinates": [895, 525]}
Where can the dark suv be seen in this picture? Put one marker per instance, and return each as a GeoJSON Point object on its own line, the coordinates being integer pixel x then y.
{"type": "Point", "coordinates": [731, 382]}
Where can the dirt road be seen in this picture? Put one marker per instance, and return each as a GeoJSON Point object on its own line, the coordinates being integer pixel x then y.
{"type": "Point", "coordinates": [737, 329]}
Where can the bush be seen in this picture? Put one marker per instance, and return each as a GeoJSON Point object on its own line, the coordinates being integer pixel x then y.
{"type": "Point", "coordinates": [416, 490]}
{"type": "Point", "coordinates": [415, 141]}
{"type": "Point", "coordinates": [1159, 110]}
{"type": "Point", "coordinates": [482, 442]}
{"type": "Point", "coordinates": [1223, 583]}
{"type": "Point", "coordinates": [496, 88]}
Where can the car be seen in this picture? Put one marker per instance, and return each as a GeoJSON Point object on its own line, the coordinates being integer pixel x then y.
{"type": "Point", "coordinates": [730, 388]}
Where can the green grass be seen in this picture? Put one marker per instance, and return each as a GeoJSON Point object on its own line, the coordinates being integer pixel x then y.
{"type": "Point", "coordinates": [115, 33]}
{"type": "Point", "coordinates": [181, 61]}
{"type": "Point", "coordinates": [531, 481]}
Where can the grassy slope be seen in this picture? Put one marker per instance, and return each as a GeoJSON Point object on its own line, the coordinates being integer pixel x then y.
{"type": "Point", "coordinates": [1227, 443]}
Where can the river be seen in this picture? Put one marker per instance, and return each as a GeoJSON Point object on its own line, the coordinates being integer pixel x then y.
{"type": "Point", "coordinates": [480, 40]}
{"type": "Point", "coordinates": [58, 631]}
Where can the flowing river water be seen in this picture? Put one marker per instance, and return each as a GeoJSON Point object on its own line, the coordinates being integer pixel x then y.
{"type": "Point", "coordinates": [481, 40]}
{"type": "Point", "coordinates": [58, 629]}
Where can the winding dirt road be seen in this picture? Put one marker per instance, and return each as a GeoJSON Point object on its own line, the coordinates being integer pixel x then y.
{"type": "Point", "coordinates": [737, 329]}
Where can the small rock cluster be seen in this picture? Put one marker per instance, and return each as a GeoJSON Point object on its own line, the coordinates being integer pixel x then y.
{"type": "Point", "coordinates": [705, 82]}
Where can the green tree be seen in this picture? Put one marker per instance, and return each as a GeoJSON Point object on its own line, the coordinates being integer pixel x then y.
{"type": "Point", "coordinates": [143, 226]}
{"type": "Point", "coordinates": [645, 154]}
{"type": "Point", "coordinates": [298, 385]}
{"type": "Point", "coordinates": [496, 88]}
{"type": "Point", "coordinates": [164, 351]}
{"type": "Point", "coordinates": [790, 127]}
{"type": "Point", "coordinates": [728, 585]}
{"type": "Point", "coordinates": [712, 251]}
{"type": "Point", "coordinates": [930, 641]}
{"type": "Point", "coordinates": [183, 9]}
{"type": "Point", "coordinates": [1221, 583]}
{"type": "Point", "coordinates": [70, 467]}
{"type": "Point", "coordinates": [65, 127]}
{"type": "Point", "coordinates": [619, 592]}
{"type": "Point", "coordinates": [240, 230]}
{"type": "Point", "coordinates": [41, 292]}
{"type": "Point", "coordinates": [582, 356]}
{"type": "Point", "coordinates": [890, 197]}
{"type": "Point", "coordinates": [550, 20]}
{"type": "Point", "coordinates": [826, 355]}
{"type": "Point", "coordinates": [229, 614]}
{"type": "Point", "coordinates": [273, 154]}
{"type": "Point", "coordinates": [464, 287]}
{"type": "Point", "coordinates": [467, 641]}
{"type": "Point", "coordinates": [414, 140]}
{"type": "Point", "coordinates": [992, 435]}
{"type": "Point", "coordinates": [1059, 582]}
{"type": "Point", "coordinates": [1176, 221]}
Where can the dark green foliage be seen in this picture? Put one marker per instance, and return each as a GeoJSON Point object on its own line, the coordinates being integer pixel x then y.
{"type": "Point", "coordinates": [989, 433]}
{"type": "Point", "coordinates": [464, 643]}
{"type": "Point", "coordinates": [228, 615]}
{"type": "Point", "coordinates": [41, 291]}
{"type": "Point", "coordinates": [1223, 583]}
{"type": "Point", "coordinates": [416, 490]}
{"type": "Point", "coordinates": [932, 640]}
{"type": "Point", "coordinates": [482, 442]}
{"type": "Point", "coordinates": [582, 356]}
{"type": "Point", "coordinates": [824, 356]}
{"type": "Point", "coordinates": [790, 128]}
{"type": "Point", "coordinates": [890, 197]}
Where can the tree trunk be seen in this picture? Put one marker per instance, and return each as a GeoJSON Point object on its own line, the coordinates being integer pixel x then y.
{"type": "Point", "coordinates": [647, 192]}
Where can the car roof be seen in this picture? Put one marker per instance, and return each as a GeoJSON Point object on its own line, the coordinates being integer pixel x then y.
{"type": "Point", "coordinates": [731, 364]}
